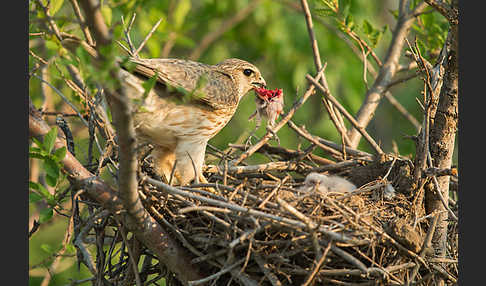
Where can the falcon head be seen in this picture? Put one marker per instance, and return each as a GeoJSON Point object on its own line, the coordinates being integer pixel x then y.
{"type": "Point", "coordinates": [245, 75]}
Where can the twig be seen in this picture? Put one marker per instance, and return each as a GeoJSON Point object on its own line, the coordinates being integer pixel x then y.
{"type": "Point", "coordinates": [426, 245]}
{"type": "Point", "coordinates": [348, 116]}
{"type": "Point", "coordinates": [217, 274]}
{"type": "Point", "coordinates": [317, 266]}
{"type": "Point", "coordinates": [127, 30]}
{"type": "Point", "coordinates": [49, 19]}
{"type": "Point", "coordinates": [131, 257]}
{"type": "Point", "coordinates": [166, 188]}
{"type": "Point", "coordinates": [135, 54]}
{"type": "Point", "coordinates": [266, 270]}
{"type": "Point", "coordinates": [335, 116]}
{"type": "Point", "coordinates": [82, 22]}
{"type": "Point", "coordinates": [314, 140]}
{"type": "Point", "coordinates": [399, 107]}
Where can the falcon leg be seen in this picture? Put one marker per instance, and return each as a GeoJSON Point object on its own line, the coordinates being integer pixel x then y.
{"type": "Point", "coordinates": [258, 122]}
{"type": "Point", "coordinates": [190, 159]}
{"type": "Point", "coordinates": [274, 134]}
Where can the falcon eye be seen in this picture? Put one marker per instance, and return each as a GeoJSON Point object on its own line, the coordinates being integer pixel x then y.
{"type": "Point", "coordinates": [247, 72]}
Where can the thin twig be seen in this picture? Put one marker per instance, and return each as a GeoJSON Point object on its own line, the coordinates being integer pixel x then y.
{"type": "Point", "coordinates": [348, 116]}
{"type": "Point", "coordinates": [135, 54]}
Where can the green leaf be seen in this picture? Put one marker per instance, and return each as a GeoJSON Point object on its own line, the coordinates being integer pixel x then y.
{"type": "Point", "coordinates": [52, 170]}
{"type": "Point", "coordinates": [34, 197]}
{"type": "Point", "coordinates": [149, 84]}
{"type": "Point", "coordinates": [40, 188]}
{"type": "Point", "coordinates": [60, 153]}
{"type": "Point", "coordinates": [349, 22]}
{"type": "Point", "coordinates": [51, 181]}
{"type": "Point", "coordinates": [47, 248]}
{"type": "Point", "coordinates": [45, 215]}
{"type": "Point", "coordinates": [70, 249]}
{"type": "Point", "coordinates": [55, 6]}
{"type": "Point", "coordinates": [367, 27]}
{"type": "Point", "coordinates": [38, 143]}
{"type": "Point", "coordinates": [37, 155]}
{"type": "Point", "coordinates": [50, 139]}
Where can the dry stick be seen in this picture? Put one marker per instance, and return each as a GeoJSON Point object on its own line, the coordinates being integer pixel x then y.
{"type": "Point", "coordinates": [335, 116]}
{"type": "Point", "coordinates": [348, 116]}
{"type": "Point", "coordinates": [72, 106]}
{"type": "Point", "coordinates": [51, 22]}
{"type": "Point", "coordinates": [287, 153]}
{"type": "Point", "coordinates": [135, 54]}
{"type": "Point", "coordinates": [311, 138]}
{"type": "Point", "coordinates": [266, 270]}
{"type": "Point", "coordinates": [425, 245]}
{"type": "Point", "coordinates": [225, 26]}
{"type": "Point", "coordinates": [399, 107]}
{"type": "Point", "coordinates": [131, 257]}
{"type": "Point", "coordinates": [311, 276]}
{"type": "Point", "coordinates": [217, 274]}
{"type": "Point", "coordinates": [336, 166]}
{"type": "Point", "coordinates": [333, 235]}
{"type": "Point", "coordinates": [281, 123]}
{"type": "Point", "coordinates": [127, 32]}
{"type": "Point", "coordinates": [329, 146]}
{"type": "Point", "coordinates": [55, 263]}
{"type": "Point", "coordinates": [82, 23]}
{"type": "Point", "coordinates": [262, 204]}
{"type": "Point", "coordinates": [272, 166]}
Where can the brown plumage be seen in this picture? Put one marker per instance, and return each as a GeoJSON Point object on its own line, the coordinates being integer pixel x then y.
{"type": "Point", "coordinates": [190, 103]}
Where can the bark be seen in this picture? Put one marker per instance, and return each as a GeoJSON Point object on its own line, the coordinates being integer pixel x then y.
{"type": "Point", "coordinates": [443, 133]}
{"type": "Point", "coordinates": [442, 139]}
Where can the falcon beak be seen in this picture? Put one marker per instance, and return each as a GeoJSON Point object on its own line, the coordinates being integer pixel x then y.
{"type": "Point", "coordinates": [260, 83]}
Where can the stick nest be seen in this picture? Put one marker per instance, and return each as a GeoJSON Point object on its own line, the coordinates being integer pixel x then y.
{"type": "Point", "coordinates": [258, 226]}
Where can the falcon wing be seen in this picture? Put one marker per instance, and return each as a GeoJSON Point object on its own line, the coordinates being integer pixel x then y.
{"type": "Point", "coordinates": [201, 82]}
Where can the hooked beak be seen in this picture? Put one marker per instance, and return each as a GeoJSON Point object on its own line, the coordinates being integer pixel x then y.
{"type": "Point", "coordinates": [260, 83]}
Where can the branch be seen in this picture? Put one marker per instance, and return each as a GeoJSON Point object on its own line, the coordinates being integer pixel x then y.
{"type": "Point", "coordinates": [348, 116]}
{"type": "Point", "coordinates": [387, 70]}
{"type": "Point", "coordinates": [335, 117]}
{"type": "Point", "coordinates": [448, 11]}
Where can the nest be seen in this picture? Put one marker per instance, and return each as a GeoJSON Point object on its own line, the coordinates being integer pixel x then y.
{"type": "Point", "coordinates": [260, 226]}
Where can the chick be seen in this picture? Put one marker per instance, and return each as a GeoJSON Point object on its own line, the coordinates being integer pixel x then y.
{"type": "Point", "coordinates": [327, 183]}
{"type": "Point", "coordinates": [269, 104]}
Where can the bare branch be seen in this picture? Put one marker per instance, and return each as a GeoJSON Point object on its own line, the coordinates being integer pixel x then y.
{"type": "Point", "coordinates": [386, 73]}
{"type": "Point", "coordinates": [335, 116]}
{"type": "Point", "coordinates": [347, 115]}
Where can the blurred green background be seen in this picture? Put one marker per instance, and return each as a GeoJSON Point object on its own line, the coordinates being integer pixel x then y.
{"type": "Point", "coordinates": [273, 36]}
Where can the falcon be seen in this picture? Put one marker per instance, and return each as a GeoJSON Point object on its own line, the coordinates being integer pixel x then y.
{"type": "Point", "coordinates": [188, 105]}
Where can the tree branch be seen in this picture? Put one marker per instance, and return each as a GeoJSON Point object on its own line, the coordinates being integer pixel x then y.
{"type": "Point", "coordinates": [387, 71]}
